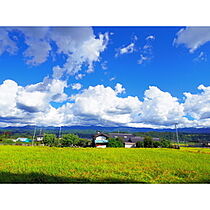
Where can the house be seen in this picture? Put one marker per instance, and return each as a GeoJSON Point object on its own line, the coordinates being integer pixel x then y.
{"type": "Point", "coordinates": [100, 140]}
{"type": "Point", "coordinates": [39, 137]}
{"type": "Point", "coordinates": [22, 139]}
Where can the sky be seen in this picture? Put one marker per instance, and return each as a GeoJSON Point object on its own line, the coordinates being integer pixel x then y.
{"type": "Point", "coordinates": [107, 76]}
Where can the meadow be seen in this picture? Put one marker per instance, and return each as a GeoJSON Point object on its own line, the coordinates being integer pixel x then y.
{"type": "Point", "coordinates": [26, 164]}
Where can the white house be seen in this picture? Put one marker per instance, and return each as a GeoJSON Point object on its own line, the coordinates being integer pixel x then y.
{"type": "Point", "coordinates": [100, 140]}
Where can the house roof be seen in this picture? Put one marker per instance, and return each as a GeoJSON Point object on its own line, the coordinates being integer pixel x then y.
{"type": "Point", "coordinates": [155, 139]}
{"type": "Point", "coordinates": [136, 139]}
{"type": "Point", "coordinates": [130, 143]}
{"type": "Point", "coordinates": [100, 134]}
{"type": "Point", "coordinates": [124, 136]}
{"type": "Point", "coordinates": [22, 139]}
{"type": "Point", "coordinates": [40, 135]}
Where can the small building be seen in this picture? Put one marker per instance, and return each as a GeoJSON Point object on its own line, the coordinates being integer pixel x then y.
{"type": "Point", "coordinates": [130, 145]}
{"type": "Point", "coordinates": [39, 137]}
{"type": "Point", "coordinates": [100, 140]}
{"type": "Point", "coordinates": [23, 140]}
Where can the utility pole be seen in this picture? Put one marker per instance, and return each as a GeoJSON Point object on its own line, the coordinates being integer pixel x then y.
{"type": "Point", "coordinates": [59, 135]}
{"type": "Point", "coordinates": [34, 135]}
{"type": "Point", "coordinates": [177, 137]}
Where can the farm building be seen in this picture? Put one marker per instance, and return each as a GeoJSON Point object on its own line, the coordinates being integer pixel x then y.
{"type": "Point", "coordinates": [100, 140]}
{"type": "Point", "coordinates": [23, 139]}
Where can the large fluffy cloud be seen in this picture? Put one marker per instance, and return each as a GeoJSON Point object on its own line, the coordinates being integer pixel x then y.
{"type": "Point", "coordinates": [160, 108]}
{"type": "Point", "coordinates": [193, 37]}
{"type": "Point", "coordinates": [36, 98]}
{"type": "Point", "coordinates": [79, 45]}
{"type": "Point", "coordinates": [198, 105]}
{"type": "Point", "coordinates": [8, 93]}
{"type": "Point", "coordinates": [100, 105]}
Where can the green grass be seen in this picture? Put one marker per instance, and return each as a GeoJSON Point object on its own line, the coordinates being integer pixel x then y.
{"type": "Point", "coordinates": [19, 164]}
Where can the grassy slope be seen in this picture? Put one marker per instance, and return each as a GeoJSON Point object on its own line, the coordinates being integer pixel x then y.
{"type": "Point", "coordinates": [20, 164]}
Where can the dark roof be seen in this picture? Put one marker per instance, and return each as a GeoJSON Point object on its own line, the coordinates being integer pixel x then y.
{"type": "Point", "coordinates": [131, 143]}
{"type": "Point", "coordinates": [124, 136]}
{"type": "Point", "coordinates": [155, 139]}
{"type": "Point", "coordinates": [136, 139]}
{"type": "Point", "coordinates": [121, 134]}
{"type": "Point", "coordinates": [100, 134]}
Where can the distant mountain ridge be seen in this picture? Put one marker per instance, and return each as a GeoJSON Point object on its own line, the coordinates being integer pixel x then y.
{"type": "Point", "coordinates": [111, 129]}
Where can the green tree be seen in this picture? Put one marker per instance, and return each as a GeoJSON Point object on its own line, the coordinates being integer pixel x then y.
{"type": "Point", "coordinates": [69, 140]}
{"type": "Point", "coordinates": [84, 142]}
{"type": "Point", "coordinates": [50, 140]}
{"type": "Point", "coordinates": [148, 142]}
{"type": "Point", "coordinates": [139, 144]}
{"type": "Point", "coordinates": [115, 142]}
{"type": "Point", "coordinates": [157, 144]}
{"type": "Point", "coordinates": [165, 143]}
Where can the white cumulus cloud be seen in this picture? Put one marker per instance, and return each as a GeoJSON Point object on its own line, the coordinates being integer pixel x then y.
{"type": "Point", "coordinates": [192, 37]}
{"type": "Point", "coordinates": [79, 44]}
{"type": "Point", "coordinates": [76, 86]}
{"type": "Point", "coordinates": [126, 50]}
{"type": "Point", "coordinates": [198, 105]}
{"type": "Point", "coordinates": [100, 105]}
{"type": "Point", "coordinates": [119, 88]}
{"type": "Point", "coordinates": [160, 108]}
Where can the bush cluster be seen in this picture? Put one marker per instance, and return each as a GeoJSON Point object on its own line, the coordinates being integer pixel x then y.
{"type": "Point", "coordinates": [149, 143]}
{"type": "Point", "coordinates": [115, 142]}
{"type": "Point", "coordinates": [67, 140]}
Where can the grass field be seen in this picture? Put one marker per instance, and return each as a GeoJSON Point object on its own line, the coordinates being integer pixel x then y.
{"type": "Point", "coordinates": [19, 164]}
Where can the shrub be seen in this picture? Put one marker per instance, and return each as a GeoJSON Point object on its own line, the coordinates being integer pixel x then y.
{"type": "Point", "coordinates": [7, 141]}
{"type": "Point", "coordinates": [148, 142]}
{"type": "Point", "coordinates": [84, 142]}
{"type": "Point", "coordinates": [165, 143]}
{"type": "Point", "coordinates": [115, 142]}
{"type": "Point", "coordinates": [157, 144]}
{"type": "Point", "coordinates": [69, 140]}
{"type": "Point", "coordinates": [50, 140]}
{"type": "Point", "coordinates": [139, 144]}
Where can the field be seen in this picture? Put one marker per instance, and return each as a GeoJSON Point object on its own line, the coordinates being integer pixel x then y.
{"type": "Point", "coordinates": [22, 164]}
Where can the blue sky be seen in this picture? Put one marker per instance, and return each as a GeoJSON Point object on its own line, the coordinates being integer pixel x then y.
{"type": "Point", "coordinates": [110, 76]}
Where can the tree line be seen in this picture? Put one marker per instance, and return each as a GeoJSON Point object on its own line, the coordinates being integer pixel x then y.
{"type": "Point", "coordinates": [148, 142]}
